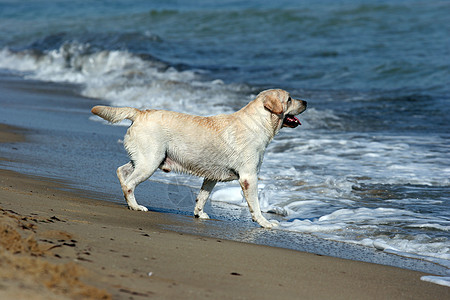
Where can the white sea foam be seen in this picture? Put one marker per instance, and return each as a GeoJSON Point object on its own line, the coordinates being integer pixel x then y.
{"type": "Point", "coordinates": [231, 195]}
{"type": "Point", "coordinates": [441, 280]}
{"type": "Point", "coordinates": [364, 226]}
{"type": "Point", "coordinates": [124, 79]}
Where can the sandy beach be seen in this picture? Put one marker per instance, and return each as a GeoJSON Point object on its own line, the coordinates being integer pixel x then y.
{"type": "Point", "coordinates": [61, 241]}
{"type": "Point", "coordinates": [57, 244]}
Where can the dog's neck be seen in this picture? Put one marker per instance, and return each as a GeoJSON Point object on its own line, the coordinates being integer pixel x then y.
{"type": "Point", "coordinates": [261, 118]}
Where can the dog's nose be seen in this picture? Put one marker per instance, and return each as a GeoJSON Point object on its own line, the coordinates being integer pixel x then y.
{"type": "Point", "coordinates": [305, 104]}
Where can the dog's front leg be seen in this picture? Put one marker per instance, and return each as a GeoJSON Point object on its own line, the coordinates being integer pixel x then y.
{"type": "Point", "coordinates": [249, 184]}
{"type": "Point", "coordinates": [202, 197]}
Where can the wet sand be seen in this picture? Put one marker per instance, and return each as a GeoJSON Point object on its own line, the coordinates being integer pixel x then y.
{"type": "Point", "coordinates": [60, 240]}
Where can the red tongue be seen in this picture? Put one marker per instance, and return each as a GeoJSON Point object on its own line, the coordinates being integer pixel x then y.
{"type": "Point", "coordinates": [296, 120]}
{"type": "Point", "coordinates": [291, 121]}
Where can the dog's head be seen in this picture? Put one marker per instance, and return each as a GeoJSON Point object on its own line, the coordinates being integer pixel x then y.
{"type": "Point", "coordinates": [280, 104]}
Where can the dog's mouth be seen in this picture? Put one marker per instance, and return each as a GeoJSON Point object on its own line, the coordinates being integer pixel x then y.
{"type": "Point", "coordinates": [291, 121]}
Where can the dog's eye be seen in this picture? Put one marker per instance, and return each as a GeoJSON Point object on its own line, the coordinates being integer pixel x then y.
{"type": "Point", "coordinates": [289, 100]}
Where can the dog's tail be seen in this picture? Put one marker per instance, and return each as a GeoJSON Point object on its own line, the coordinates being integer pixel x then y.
{"type": "Point", "coordinates": [115, 114]}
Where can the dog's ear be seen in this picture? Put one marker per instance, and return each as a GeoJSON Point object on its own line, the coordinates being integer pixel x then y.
{"type": "Point", "coordinates": [273, 104]}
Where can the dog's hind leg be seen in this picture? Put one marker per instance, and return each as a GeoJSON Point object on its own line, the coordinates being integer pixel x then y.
{"type": "Point", "coordinates": [124, 171]}
{"type": "Point", "coordinates": [202, 197]}
{"type": "Point", "coordinates": [131, 176]}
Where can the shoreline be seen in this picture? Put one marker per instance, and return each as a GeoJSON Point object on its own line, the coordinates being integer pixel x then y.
{"type": "Point", "coordinates": [119, 253]}
{"type": "Point", "coordinates": [213, 258]}
{"type": "Point", "coordinates": [61, 143]}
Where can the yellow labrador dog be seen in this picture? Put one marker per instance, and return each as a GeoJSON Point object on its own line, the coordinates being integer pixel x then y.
{"type": "Point", "coordinates": [218, 148]}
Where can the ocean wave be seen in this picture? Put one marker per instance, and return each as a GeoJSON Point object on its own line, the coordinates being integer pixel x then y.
{"type": "Point", "coordinates": [378, 228]}
{"type": "Point", "coordinates": [125, 79]}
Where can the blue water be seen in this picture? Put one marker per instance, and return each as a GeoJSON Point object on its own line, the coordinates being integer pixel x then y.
{"type": "Point", "coordinates": [371, 163]}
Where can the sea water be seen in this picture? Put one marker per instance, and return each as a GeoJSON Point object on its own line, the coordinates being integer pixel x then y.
{"type": "Point", "coordinates": [370, 164]}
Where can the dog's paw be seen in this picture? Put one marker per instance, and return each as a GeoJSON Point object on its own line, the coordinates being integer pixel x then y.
{"type": "Point", "coordinates": [202, 215]}
{"type": "Point", "coordinates": [138, 207]}
{"type": "Point", "coordinates": [268, 224]}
